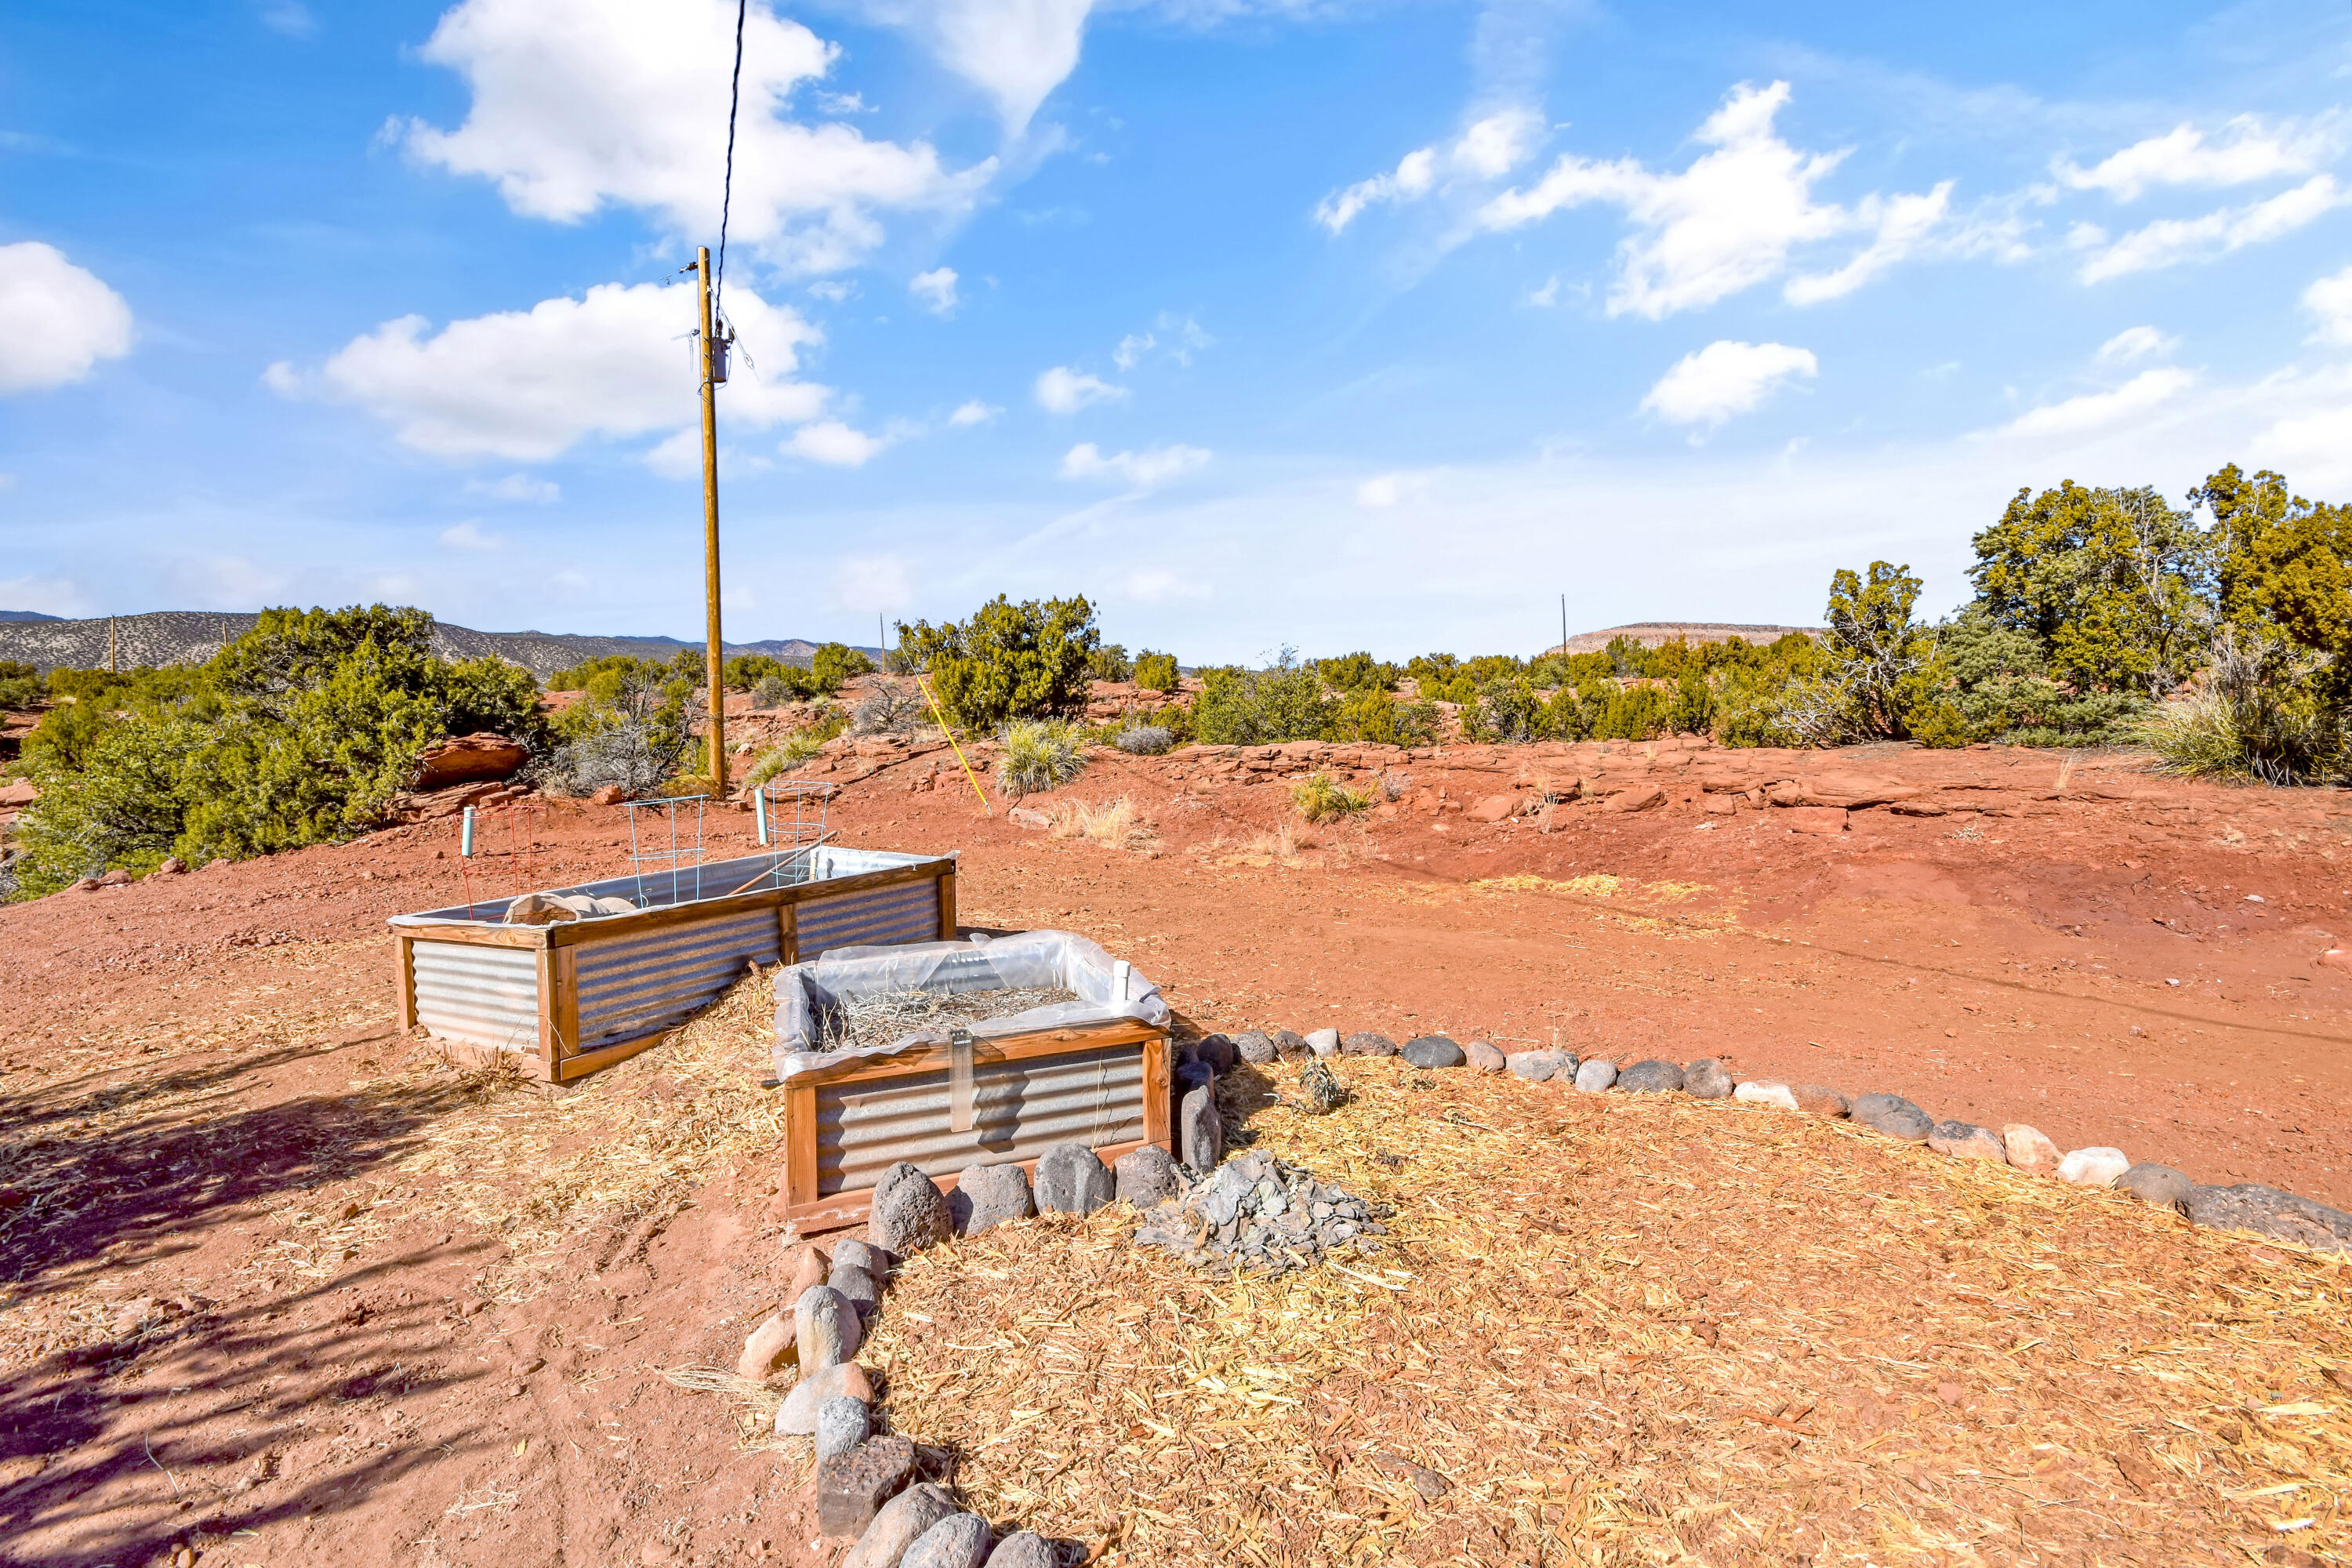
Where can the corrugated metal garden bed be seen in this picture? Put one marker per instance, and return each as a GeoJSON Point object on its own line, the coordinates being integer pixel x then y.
{"type": "Point", "coordinates": [567, 999]}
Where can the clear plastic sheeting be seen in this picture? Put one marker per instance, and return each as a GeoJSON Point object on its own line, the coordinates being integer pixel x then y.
{"type": "Point", "coordinates": [808, 995]}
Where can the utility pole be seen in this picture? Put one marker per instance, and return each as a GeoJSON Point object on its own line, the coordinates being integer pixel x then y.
{"type": "Point", "coordinates": [714, 371]}
{"type": "Point", "coordinates": [1563, 626]}
{"type": "Point", "coordinates": [110, 644]}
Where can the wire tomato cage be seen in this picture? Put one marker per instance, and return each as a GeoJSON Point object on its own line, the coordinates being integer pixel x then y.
{"type": "Point", "coordinates": [499, 846]}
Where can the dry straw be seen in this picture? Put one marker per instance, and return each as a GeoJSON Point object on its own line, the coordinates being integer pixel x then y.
{"type": "Point", "coordinates": [1640, 1330]}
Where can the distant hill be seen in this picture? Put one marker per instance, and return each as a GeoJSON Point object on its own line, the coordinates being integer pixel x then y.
{"type": "Point", "coordinates": [26, 615]}
{"type": "Point", "coordinates": [191, 636]}
{"type": "Point", "coordinates": [1651, 633]}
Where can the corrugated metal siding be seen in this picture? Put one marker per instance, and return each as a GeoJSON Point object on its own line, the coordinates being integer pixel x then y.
{"type": "Point", "coordinates": [1024, 1108]}
{"type": "Point", "coordinates": [633, 986]}
{"type": "Point", "coordinates": [482, 995]}
{"type": "Point", "coordinates": [908, 912]}
{"type": "Point", "coordinates": [715, 880]}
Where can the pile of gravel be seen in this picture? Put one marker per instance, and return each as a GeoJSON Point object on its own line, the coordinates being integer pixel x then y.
{"type": "Point", "coordinates": [888, 1017]}
{"type": "Point", "coordinates": [1258, 1213]}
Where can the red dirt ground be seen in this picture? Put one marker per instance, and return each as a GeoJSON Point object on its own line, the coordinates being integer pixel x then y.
{"type": "Point", "coordinates": [200, 1057]}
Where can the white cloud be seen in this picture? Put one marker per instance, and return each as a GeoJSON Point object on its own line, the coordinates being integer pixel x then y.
{"type": "Point", "coordinates": [2101, 410]}
{"type": "Point", "coordinates": [1157, 585]}
{"type": "Point", "coordinates": [47, 595]}
{"type": "Point", "coordinates": [1729, 221]}
{"type": "Point", "coordinates": [2246, 150]}
{"type": "Point", "coordinates": [1016, 51]}
{"type": "Point", "coordinates": [1147, 469]}
{"type": "Point", "coordinates": [1725, 378]}
{"type": "Point", "coordinates": [934, 290]}
{"type": "Point", "coordinates": [281, 377]}
{"type": "Point", "coordinates": [1180, 337]}
{"type": "Point", "coordinates": [831, 442]}
{"type": "Point", "coordinates": [57, 321]}
{"type": "Point", "coordinates": [517, 488]}
{"type": "Point", "coordinates": [1062, 390]}
{"type": "Point", "coordinates": [1381, 490]}
{"type": "Point", "coordinates": [832, 290]}
{"type": "Point", "coordinates": [468, 535]}
{"type": "Point", "coordinates": [527, 384]}
{"type": "Point", "coordinates": [2170, 241]}
{"type": "Point", "coordinates": [974, 413]}
{"type": "Point", "coordinates": [2330, 300]}
{"type": "Point", "coordinates": [289, 18]}
{"type": "Point", "coordinates": [2136, 343]}
{"type": "Point", "coordinates": [589, 101]}
{"type": "Point", "coordinates": [1489, 149]}
{"type": "Point", "coordinates": [873, 584]}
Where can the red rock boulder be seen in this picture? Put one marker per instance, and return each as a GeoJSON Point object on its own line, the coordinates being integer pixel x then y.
{"type": "Point", "coordinates": [468, 759]}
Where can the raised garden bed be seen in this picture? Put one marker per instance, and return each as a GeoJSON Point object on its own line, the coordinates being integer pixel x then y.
{"type": "Point", "coordinates": [565, 999]}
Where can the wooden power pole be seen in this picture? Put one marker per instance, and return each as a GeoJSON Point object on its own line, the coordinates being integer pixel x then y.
{"type": "Point", "coordinates": [714, 371]}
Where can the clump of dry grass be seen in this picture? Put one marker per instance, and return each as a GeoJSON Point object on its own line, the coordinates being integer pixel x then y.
{"type": "Point", "coordinates": [1115, 824]}
{"type": "Point", "coordinates": [1642, 1329]}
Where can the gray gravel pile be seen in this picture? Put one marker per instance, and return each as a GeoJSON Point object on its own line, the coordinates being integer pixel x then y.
{"type": "Point", "coordinates": [1258, 1213]}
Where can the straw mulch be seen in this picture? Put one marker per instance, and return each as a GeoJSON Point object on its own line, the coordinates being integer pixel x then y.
{"type": "Point", "coordinates": [1642, 1329]}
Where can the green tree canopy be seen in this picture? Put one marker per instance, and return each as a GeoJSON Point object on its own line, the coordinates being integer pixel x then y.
{"type": "Point", "coordinates": [1007, 661]}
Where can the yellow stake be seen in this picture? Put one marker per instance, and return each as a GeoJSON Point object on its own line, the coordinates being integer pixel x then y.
{"type": "Point", "coordinates": [944, 730]}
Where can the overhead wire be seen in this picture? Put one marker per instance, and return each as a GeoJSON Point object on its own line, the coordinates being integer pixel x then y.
{"type": "Point", "coordinates": [727, 192]}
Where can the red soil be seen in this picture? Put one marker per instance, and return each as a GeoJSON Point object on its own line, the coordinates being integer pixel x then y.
{"type": "Point", "coordinates": [203, 1053]}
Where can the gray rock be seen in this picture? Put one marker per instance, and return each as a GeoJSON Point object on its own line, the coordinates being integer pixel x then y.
{"type": "Point", "coordinates": [826, 1328]}
{"type": "Point", "coordinates": [1706, 1079]}
{"type": "Point", "coordinates": [1542, 1067]}
{"type": "Point", "coordinates": [859, 1286]}
{"type": "Point", "coordinates": [1146, 1177]}
{"type": "Point", "coordinates": [910, 1212]}
{"type": "Point", "coordinates": [863, 1255]}
{"type": "Point", "coordinates": [1592, 1076]}
{"type": "Point", "coordinates": [1323, 1042]}
{"type": "Point", "coordinates": [1651, 1076]}
{"type": "Point", "coordinates": [1189, 1077]}
{"type": "Point", "coordinates": [1367, 1043]}
{"type": "Point", "coordinates": [1070, 1180]}
{"type": "Point", "coordinates": [1218, 1052]}
{"type": "Point", "coordinates": [901, 1522]}
{"type": "Point", "coordinates": [1485, 1056]}
{"type": "Point", "coordinates": [842, 1423]}
{"type": "Point", "coordinates": [1255, 1048]}
{"type": "Point", "coordinates": [798, 1416]}
{"type": "Point", "coordinates": [853, 1485]}
{"type": "Point", "coordinates": [959, 1540]}
{"type": "Point", "coordinates": [1201, 1131]}
{"type": "Point", "coordinates": [2283, 1216]}
{"type": "Point", "coordinates": [2097, 1166]}
{"type": "Point", "coordinates": [1432, 1051]}
{"type": "Point", "coordinates": [1813, 1099]}
{"type": "Point", "coordinates": [2158, 1184]}
{"type": "Point", "coordinates": [1026, 1550]}
{"type": "Point", "coordinates": [1966, 1141]}
{"type": "Point", "coordinates": [1892, 1115]}
{"type": "Point", "coordinates": [988, 1195]}
{"type": "Point", "coordinates": [1289, 1045]}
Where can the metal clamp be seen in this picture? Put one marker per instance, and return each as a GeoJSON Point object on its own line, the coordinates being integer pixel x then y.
{"type": "Point", "coordinates": [961, 1117]}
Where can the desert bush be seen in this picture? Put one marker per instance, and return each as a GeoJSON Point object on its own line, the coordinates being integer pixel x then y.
{"type": "Point", "coordinates": [1114, 825]}
{"type": "Point", "coordinates": [1109, 662]}
{"type": "Point", "coordinates": [20, 686]}
{"type": "Point", "coordinates": [1359, 672]}
{"type": "Point", "coordinates": [1319, 796]}
{"type": "Point", "coordinates": [1144, 740]}
{"type": "Point", "coordinates": [891, 710]}
{"type": "Point", "coordinates": [1040, 754]}
{"type": "Point", "coordinates": [1007, 661]}
{"type": "Point", "coordinates": [1283, 702]}
{"type": "Point", "coordinates": [797, 748]}
{"type": "Point", "coordinates": [2259, 716]}
{"type": "Point", "coordinates": [1157, 671]}
{"type": "Point", "coordinates": [1506, 710]}
{"type": "Point", "coordinates": [631, 752]}
{"type": "Point", "coordinates": [1373, 717]}
{"type": "Point", "coordinates": [835, 662]}
{"type": "Point", "coordinates": [772, 691]}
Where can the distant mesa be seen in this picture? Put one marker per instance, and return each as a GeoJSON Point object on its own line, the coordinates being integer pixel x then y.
{"type": "Point", "coordinates": [191, 636]}
{"type": "Point", "coordinates": [1653, 634]}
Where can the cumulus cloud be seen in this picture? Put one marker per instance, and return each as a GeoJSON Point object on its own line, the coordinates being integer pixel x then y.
{"type": "Point", "coordinates": [934, 290]}
{"type": "Point", "coordinates": [2330, 300]}
{"type": "Point", "coordinates": [973, 413]}
{"type": "Point", "coordinates": [1177, 337]}
{"type": "Point", "coordinates": [1726, 378]}
{"type": "Point", "coordinates": [2136, 343]}
{"type": "Point", "coordinates": [517, 488]}
{"type": "Point", "coordinates": [590, 102]}
{"type": "Point", "coordinates": [526, 386]}
{"type": "Point", "coordinates": [1490, 148]}
{"type": "Point", "coordinates": [2245, 151]}
{"type": "Point", "coordinates": [1147, 469]}
{"type": "Point", "coordinates": [2100, 410]}
{"type": "Point", "coordinates": [831, 442]}
{"type": "Point", "coordinates": [468, 535]}
{"type": "Point", "coordinates": [57, 321]}
{"type": "Point", "coordinates": [1730, 220]}
{"type": "Point", "coordinates": [1062, 390]}
{"type": "Point", "coordinates": [1015, 52]}
{"type": "Point", "coordinates": [2171, 241]}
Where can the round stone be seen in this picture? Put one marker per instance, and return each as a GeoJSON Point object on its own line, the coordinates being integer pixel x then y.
{"type": "Point", "coordinates": [1706, 1079]}
{"type": "Point", "coordinates": [842, 1423]}
{"type": "Point", "coordinates": [1651, 1076]}
{"type": "Point", "coordinates": [1432, 1051]}
{"type": "Point", "coordinates": [1595, 1076]}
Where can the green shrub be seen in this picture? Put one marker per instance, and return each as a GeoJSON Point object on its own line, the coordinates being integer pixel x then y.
{"type": "Point", "coordinates": [1040, 754]}
{"type": "Point", "coordinates": [835, 662]}
{"type": "Point", "coordinates": [1359, 672]}
{"type": "Point", "coordinates": [1109, 662]}
{"type": "Point", "coordinates": [18, 692]}
{"type": "Point", "coordinates": [1506, 710]}
{"type": "Point", "coordinates": [2260, 717]}
{"type": "Point", "coordinates": [1283, 702]}
{"type": "Point", "coordinates": [1007, 661]}
{"type": "Point", "coordinates": [1319, 797]}
{"type": "Point", "coordinates": [1143, 739]}
{"type": "Point", "coordinates": [1157, 671]}
{"type": "Point", "coordinates": [1373, 717]}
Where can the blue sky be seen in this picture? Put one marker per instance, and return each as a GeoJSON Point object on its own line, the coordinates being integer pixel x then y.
{"type": "Point", "coordinates": [1259, 321]}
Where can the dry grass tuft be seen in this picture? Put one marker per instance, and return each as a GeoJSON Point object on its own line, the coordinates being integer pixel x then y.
{"type": "Point", "coordinates": [1641, 1331]}
{"type": "Point", "coordinates": [1115, 824]}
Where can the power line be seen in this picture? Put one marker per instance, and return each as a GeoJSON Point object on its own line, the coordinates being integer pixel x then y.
{"type": "Point", "coordinates": [727, 193]}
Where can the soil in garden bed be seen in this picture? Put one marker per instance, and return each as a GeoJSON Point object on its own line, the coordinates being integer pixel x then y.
{"type": "Point", "coordinates": [890, 1016]}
